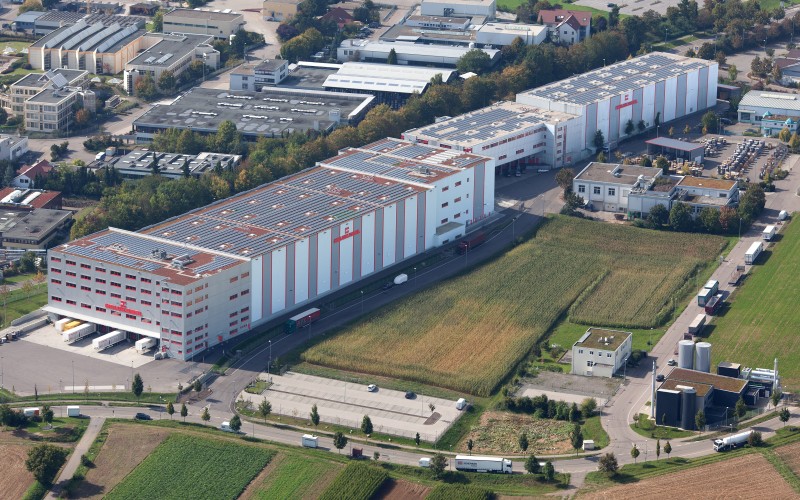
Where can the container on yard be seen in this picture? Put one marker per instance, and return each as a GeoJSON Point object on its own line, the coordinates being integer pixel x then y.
{"type": "Point", "coordinates": [108, 340]}
{"type": "Point", "coordinates": [305, 318]}
{"type": "Point", "coordinates": [60, 324]}
{"type": "Point", "coordinates": [73, 411]}
{"type": "Point", "coordinates": [713, 285]}
{"type": "Point", "coordinates": [713, 305]}
{"type": "Point", "coordinates": [697, 324]}
{"type": "Point", "coordinates": [461, 404]}
{"type": "Point", "coordinates": [71, 324]}
{"type": "Point", "coordinates": [483, 464]}
{"type": "Point", "coordinates": [31, 412]}
{"type": "Point", "coordinates": [470, 242]}
{"type": "Point", "coordinates": [703, 296]}
{"type": "Point", "coordinates": [736, 276]}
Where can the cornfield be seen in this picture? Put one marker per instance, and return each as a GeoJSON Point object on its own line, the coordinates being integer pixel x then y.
{"type": "Point", "coordinates": [468, 332]}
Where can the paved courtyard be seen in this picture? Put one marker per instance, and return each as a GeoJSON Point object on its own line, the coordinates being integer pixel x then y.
{"type": "Point", "coordinates": [342, 403]}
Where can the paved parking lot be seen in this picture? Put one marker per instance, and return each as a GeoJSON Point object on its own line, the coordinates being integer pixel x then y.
{"type": "Point", "coordinates": [123, 353]}
{"type": "Point", "coordinates": [342, 403]}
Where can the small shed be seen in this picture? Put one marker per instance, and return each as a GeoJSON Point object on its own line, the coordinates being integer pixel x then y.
{"type": "Point", "coordinates": [588, 445]}
{"type": "Point", "coordinates": [679, 149]}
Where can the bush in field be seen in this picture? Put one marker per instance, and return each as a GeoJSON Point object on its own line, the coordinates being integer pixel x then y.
{"type": "Point", "coordinates": [355, 481]}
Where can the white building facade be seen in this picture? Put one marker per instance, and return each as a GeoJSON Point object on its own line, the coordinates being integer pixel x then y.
{"type": "Point", "coordinates": [601, 352]}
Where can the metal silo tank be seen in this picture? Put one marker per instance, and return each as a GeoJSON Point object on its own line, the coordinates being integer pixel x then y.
{"type": "Point", "coordinates": [688, 398]}
{"type": "Point", "coordinates": [686, 354]}
{"type": "Point", "coordinates": [702, 360]}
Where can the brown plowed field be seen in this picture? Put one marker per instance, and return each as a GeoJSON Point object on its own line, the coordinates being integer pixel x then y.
{"type": "Point", "coordinates": [125, 447]}
{"type": "Point", "coordinates": [402, 490]}
{"type": "Point", "coordinates": [14, 478]}
{"type": "Point", "coordinates": [790, 454]}
{"type": "Point", "coordinates": [750, 476]}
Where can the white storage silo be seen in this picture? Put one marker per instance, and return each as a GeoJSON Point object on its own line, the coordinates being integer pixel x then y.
{"type": "Point", "coordinates": [686, 354]}
{"type": "Point", "coordinates": [702, 360]}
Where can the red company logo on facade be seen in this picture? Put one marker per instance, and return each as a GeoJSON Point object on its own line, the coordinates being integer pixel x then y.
{"type": "Point", "coordinates": [123, 308]}
{"type": "Point", "coordinates": [627, 101]}
{"type": "Point", "coordinates": [347, 234]}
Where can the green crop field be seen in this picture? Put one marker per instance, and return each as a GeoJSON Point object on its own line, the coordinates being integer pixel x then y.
{"type": "Point", "coordinates": [295, 477]}
{"type": "Point", "coordinates": [357, 481]}
{"type": "Point", "coordinates": [192, 467]}
{"type": "Point", "coordinates": [468, 332]}
{"type": "Point", "coordinates": [460, 491]}
{"type": "Point", "coordinates": [762, 320]}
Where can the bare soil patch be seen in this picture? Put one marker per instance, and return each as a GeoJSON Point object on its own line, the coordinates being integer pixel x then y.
{"type": "Point", "coordinates": [402, 490]}
{"type": "Point", "coordinates": [498, 433]}
{"type": "Point", "coordinates": [14, 479]}
{"type": "Point", "coordinates": [125, 447]}
{"type": "Point", "coordinates": [749, 476]}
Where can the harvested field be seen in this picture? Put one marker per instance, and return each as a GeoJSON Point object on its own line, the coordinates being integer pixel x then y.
{"type": "Point", "coordinates": [467, 332]}
{"type": "Point", "coordinates": [498, 433]}
{"type": "Point", "coordinates": [402, 490]}
{"type": "Point", "coordinates": [14, 479]}
{"type": "Point", "coordinates": [125, 447]}
{"type": "Point", "coordinates": [749, 476]}
{"type": "Point", "coordinates": [790, 454]}
{"type": "Point", "coordinates": [293, 476]}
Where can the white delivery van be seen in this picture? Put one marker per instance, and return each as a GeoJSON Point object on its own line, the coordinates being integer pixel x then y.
{"type": "Point", "coordinates": [30, 412]}
{"type": "Point", "coordinates": [400, 279]}
{"type": "Point", "coordinates": [461, 404]}
{"type": "Point", "coordinates": [226, 426]}
{"type": "Point", "coordinates": [783, 215]}
{"type": "Point", "coordinates": [424, 462]}
{"type": "Point", "coordinates": [309, 441]}
{"type": "Point", "coordinates": [73, 411]}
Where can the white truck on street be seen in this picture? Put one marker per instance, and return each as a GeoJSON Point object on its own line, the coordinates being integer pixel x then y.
{"type": "Point", "coordinates": [73, 411]}
{"type": "Point", "coordinates": [732, 442]}
{"type": "Point", "coordinates": [309, 441]}
{"type": "Point", "coordinates": [79, 332]}
{"type": "Point", "coordinates": [466, 463]}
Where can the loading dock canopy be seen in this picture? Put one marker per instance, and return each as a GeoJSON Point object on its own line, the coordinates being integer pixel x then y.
{"type": "Point", "coordinates": [676, 148]}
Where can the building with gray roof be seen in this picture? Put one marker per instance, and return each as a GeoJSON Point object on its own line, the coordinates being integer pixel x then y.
{"type": "Point", "coordinates": [415, 54]}
{"type": "Point", "coordinates": [210, 275]}
{"type": "Point", "coordinates": [758, 105]}
{"type": "Point", "coordinates": [217, 23]}
{"type": "Point", "coordinates": [33, 229]}
{"type": "Point", "coordinates": [273, 112]}
{"type": "Point", "coordinates": [139, 163]}
{"type": "Point", "coordinates": [172, 52]}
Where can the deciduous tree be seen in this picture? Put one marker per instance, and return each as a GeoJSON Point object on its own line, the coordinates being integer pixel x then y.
{"type": "Point", "coordinates": [44, 461]}
{"type": "Point", "coordinates": [608, 465]}
{"type": "Point", "coordinates": [667, 448]}
{"type": "Point", "coordinates": [137, 387]}
{"type": "Point", "coordinates": [366, 425]}
{"type": "Point", "coordinates": [236, 423]}
{"type": "Point", "coordinates": [170, 409]}
{"type": "Point", "coordinates": [784, 415]}
{"type": "Point", "coordinates": [339, 441]}
{"type": "Point", "coordinates": [532, 464]}
{"type": "Point", "coordinates": [576, 438]}
{"type": "Point", "coordinates": [184, 411]}
{"type": "Point", "coordinates": [635, 453]}
{"type": "Point", "coordinates": [265, 408]}
{"type": "Point", "coordinates": [314, 415]}
{"type": "Point", "coordinates": [438, 465]}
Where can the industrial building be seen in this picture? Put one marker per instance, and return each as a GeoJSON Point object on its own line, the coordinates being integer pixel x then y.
{"type": "Point", "coordinates": [219, 24]}
{"type": "Point", "coordinates": [654, 86]}
{"type": "Point", "coordinates": [94, 46]}
{"type": "Point", "coordinates": [500, 34]}
{"type": "Point", "coordinates": [389, 83]}
{"type": "Point", "coordinates": [256, 76]}
{"type": "Point", "coordinates": [610, 187]}
{"type": "Point", "coordinates": [31, 198]}
{"type": "Point", "coordinates": [489, 35]}
{"type": "Point", "coordinates": [513, 134]}
{"type": "Point", "coordinates": [273, 112]}
{"type": "Point", "coordinates": [42, 23]}
{"type": "Point", "coordinates": [601, 352]}
{"type": "Point", "coordinates": [172, 52]}
{"type": "Point", "coordinates": [766, 108]}
{"type": "Point", "coordinates": [33, 83]}
{"type": "Point", "coordinates": [459, 8]}
{"type": "Point", "coordinates": [139, 163]}
{"type": "Point", "coordinates": [263, 253]}
{"type": "Point", "coordinates": [702, 192]}
{"type": "Point", "coordinates": [279, 10]}
{"type": "Point", "coordinates": [32, 219]}
{"type": "Point", "coordinates": [419, 54]}
{"type": "Point", "coordinates": [12, 147]}
{"type": "Point", "coordinates": [52, 110]}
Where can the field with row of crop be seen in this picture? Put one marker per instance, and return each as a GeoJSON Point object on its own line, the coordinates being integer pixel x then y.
{"type": "Point", "coordinates": [468, 332]}
{"type": "Point", "coordinates": [295, 476]}
{"type": "Point", "coordinates": [192, 467]}
{"type": "Point", "coordinates": [762, 320]}
{"type": "Point", "coordinates": [358, 481]}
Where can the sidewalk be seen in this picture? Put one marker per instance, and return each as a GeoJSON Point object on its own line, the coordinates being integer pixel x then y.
{"type": "Point", "coordinates": [95, 424]}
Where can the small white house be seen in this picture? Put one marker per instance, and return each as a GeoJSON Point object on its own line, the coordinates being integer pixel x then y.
{"type": "Point", "coordinates": [12, 146]}
{"type": "Point", "coordinates": [600, 352]}
{"type": "Point", "coordinates": [26, 176]}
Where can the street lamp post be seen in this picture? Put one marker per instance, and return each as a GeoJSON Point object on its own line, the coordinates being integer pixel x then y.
{"type": "Point", "coordinates": [415, 276]}
{"type": "Point", "coordinates": [269, 363]}
{"type": "Point", "coordinates": [362, 301]}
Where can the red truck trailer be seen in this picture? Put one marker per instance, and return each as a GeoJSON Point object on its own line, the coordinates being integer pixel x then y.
{"type": "Point", "coordinates": [470, 242]}
{"type": "Point", "coordinates": [713, 305]}
{"type": "Point", "coordinates": [303, 319]}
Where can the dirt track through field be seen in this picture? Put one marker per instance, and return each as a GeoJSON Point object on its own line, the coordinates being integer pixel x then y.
{"type": "Point", "coordinates": [14, 478]}
{"type": "Point", "coordinates": [124, 449]}
{"type": "Point", "coordinates": [750, 476]}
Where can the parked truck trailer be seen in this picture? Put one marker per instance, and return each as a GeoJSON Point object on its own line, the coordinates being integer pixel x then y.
{"type": "Point", "coordinates": [732, 442]}
{"type": "Point", "coordinates": [78, 333]}
{"type": "Point", "coordinates": [753, 252]}
{"type": "Point", "coordinates": [470, 242]}
{"type": "Point", "coordinates": [768, 233]}
{"type": "Point", "coordinates": [108, 340]}
{"type": "Point", "coordinates": [71, 324]}
{"type": "Point", "coordinates": [61, 323]}
{"type": "Point", "coordinates": [305, 318]}
{"type": "Point", "coordinates": [697, 324]}
{"type": "Point", "coordinates": [714, 304]}
{"type": "Point", "coordinates": [145, 344]}
{"type": "Point", "coordinates": [497, 465]}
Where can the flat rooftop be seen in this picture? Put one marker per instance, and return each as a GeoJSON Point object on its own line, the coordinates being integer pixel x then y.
{"type": "Point", "coordinates": [673, 385]}
{"type": "Point", "coordinates": [85, 37]}
{"type": "Point", "coordinates": [465, 2]}
{"type": "Point", "coordinates": [36, 224]}
{"type": "Point", "coordinates": [140, 160]}
{"type": "Point", "coordinates": [215, 15]}
{"type": "Point", "coordinates": [706, 182]}
{"type": "Point", "coordinates": [601, 338]}
{"type": "Point", "coordinates": [492, 122]}
{"type": "Point", "coordinates": [720, 382]}
{"type": "Point", "coordinates": [385, 77]}
{"type": "Point", "coordinates": [271, 112]}
{"type": "Point", "coordinates": [776, 100]}
{"type": "Point", "coordinates": [667, 142]}
{"type": "Point", "coordinates": [39, 80]}
{"type": "Point", "coordinates": [513, 28]}
{"type": "Point", "coordinates": [619, 78]}
{"type": "Point", "coordinates": [34, 198]}
{"type": "Point", "coordinates": [412, 49]}
{"type": "Point", "coordinates": [53, 96]}
{"type": "Point", "coordinates": [616, 173]}
{"type": "Point", "coordinates": [438, 19]}
{"type": "Point", "coordinates": [169, 48]}
{"type": "Point", "coordinates": [309, 75]}
{"type": "Point", "coordinates": [404, 32]}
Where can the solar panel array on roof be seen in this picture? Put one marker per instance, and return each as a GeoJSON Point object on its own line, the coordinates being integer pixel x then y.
{"type": "Point", "coordinates": [618, 78]}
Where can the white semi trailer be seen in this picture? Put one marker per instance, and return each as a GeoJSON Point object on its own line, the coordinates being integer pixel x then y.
{"type": "Point", "coordinates": [732, 442]}
{"type": "Point", "coordinates": [79, 332]}
{"type": "Point", "coordinates": [145, 344]}
{"type": "Point", "coordinates": [468, 463]}
{"type": "Point", "coordinates": [753, 252]}
{"type": "Point", "coordinates": [108, 340]}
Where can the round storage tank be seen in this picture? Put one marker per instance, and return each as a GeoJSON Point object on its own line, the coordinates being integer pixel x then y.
{"type": "Point", "coordinates": [686, 354]}
{"type": "Point", "coordinates": [702, 360]}
{"type": "Point", "coordinates": [688, 397]}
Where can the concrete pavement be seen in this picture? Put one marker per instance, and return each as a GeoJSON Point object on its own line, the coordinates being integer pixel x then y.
{"type": "Point", "coordinates": [95, 424]}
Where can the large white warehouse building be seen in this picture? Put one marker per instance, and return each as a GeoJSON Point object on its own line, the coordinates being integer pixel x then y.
{"type": "Point", "coordinates": [207, 276]}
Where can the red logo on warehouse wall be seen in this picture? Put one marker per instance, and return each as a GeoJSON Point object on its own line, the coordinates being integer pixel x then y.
{"type": "Point", "coordinates": [347, 234]}
{"type": "Point", "coordinates": [626, 101]}
{"type": "Point", "coordinates": [123, 308]}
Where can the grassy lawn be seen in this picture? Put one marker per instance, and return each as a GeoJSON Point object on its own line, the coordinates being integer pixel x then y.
{"type": "Point", "coordinates": [18, 46]}
{"type": "Point", "coordinates": [567, 333]}
{"type": "Point", "coordinates": [358, 481]}
{"type": "Point", "coordinates": [761, 322]}
{"type": "Point", "coordinates": [64, 430]}
{"type": "Point", "coordinates": [512, 5]}
{"type": "Point", "coordinates": [295, 477]}
{"type": "Point", "coordinates": [468, 332]}
{"type": "Point", "coordinates": [648, 429]}
{"type": "Point", "coordinates": [190, 467]}
{"type": "Point", "coordinates": [20, 303]}
{"type": "Point", "coordinates": [770, 5]}
{"type": "Point", "coordinates": [450, 491]}
{"type": "Point", "coordinates": [257, 388]}
{"type": "Point", "coordinates": [18, 278]}
{"type": "Point", "coordinates": [592, 429]}
{"type": "Point", "coordinates": [147, 397]}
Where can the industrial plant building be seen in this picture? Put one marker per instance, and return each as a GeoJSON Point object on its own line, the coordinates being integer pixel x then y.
{"type": "Point", "coordinates": [769, 110]}
{"type": "Point", "coordinates": [489, 35]}
{"type": "Point", "coordinates": [601, 352]}
{"type": "Point", "coordinates": [32, 219]}
{"type": "Point", "coordinates": [219, 24]}
{"type": "Point", "coordinates": [169, 52]}
{"type": "Point", "coordinates": [265, 252]}
{"type": "Point", "coordinates": [273, 112]}
{"type": "Point", "coordinates": [459, 8]}
{"type": "Point", "coordinates": [139, 163]}
{"type": "Point", "coordinates": [415, 54]}
{"type": "Point", "coordinates": [259, 75]}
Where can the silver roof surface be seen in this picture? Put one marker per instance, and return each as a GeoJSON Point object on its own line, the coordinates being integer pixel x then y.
{"type": "Point", "coordinates": [169, 48]}
{"type": "Point", "coordinates": [618, 78]}
{"type": "Point", "coordinates": [763, 99]}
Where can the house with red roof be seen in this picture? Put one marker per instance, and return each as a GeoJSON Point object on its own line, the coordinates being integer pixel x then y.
{"type": "Point", "coordinates": [567, 26]}
{"type": "Point", "coordinates": [339, 16]}
{"type": "Point", "coordinates": [26, 177]}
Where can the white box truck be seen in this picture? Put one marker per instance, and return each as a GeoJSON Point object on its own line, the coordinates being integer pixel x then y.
{"type": "Point", "coordinates": [31, 412]}
{"type": "Point", "coordinates": [753, 252]}
{"type": "Point", "coordinates": [73, 411]}
{"type": "Point", "coordinates": [461, 404]}
{"type": "Point", "coordinates": [467, 463]}
{"type": "Point", "coordinates": [732, 442]}
{"type": "Point", "coordinates": [226, 427]}
{"type": "Point", "coordinates": [145, 344]}
{"type": "Point", "coordinates": [768, 233]}
{"type": "Point", "coordinates": [309, 441]}
{"type": "Point", "coordinates": [783, 215]}
{"type": "Point", "coordinates": [424, 462]}
{"type": "Point", "coordinates": [78, 333]}
{"type": "Point", "coordinates": [108, 340]}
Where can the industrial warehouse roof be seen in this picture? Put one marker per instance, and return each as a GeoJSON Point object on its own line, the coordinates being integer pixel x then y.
{"type": "Point", "coordinates": [85, 37]}
{"type": "Point", "coordinates": [217, 15]}
{"type": "Point", "coordinates": [619, 78]}
{"type": "Point", "coordinates": [309, 75]}
{"type": "Point", "coordinates": [412, 49]}
{"type": "Point", "coordinates": [706, 182]}
{"type": "Point", "coordinates": [39, 80]}
{"type": "Point", "coordinates": [761, 99]}
{"type": "Point", "coordinates": [33, 225]}
{"type": "Point", "coordinates": [666, 142]}
{"type": "Point", "coordinates": [385, 77]}
{"type": "Point", "coordinates": [407, 33]}
{"type": "Point", "coordinates": [601, 338]}
{"type": "Point", "coordinates": [673, 385]}
{"type": "Point", "coordinates": [271, 112]}
{"type": "Point", "coordinates": [477, 127]}
{"type": "Point", "coordinates": [517, 29]}
{"type": "Point", "coordinates": [138, 162]}
{"type": "Point", "coordinates": [616, 173]}
{"type": "Point", "coordinates": [168, 49]}
{"type": "Point", "coordinates": [34, 198]}
{"type": "Point", "coordinates": [729, 384]}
